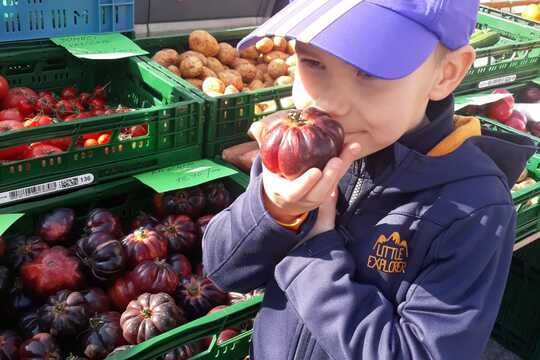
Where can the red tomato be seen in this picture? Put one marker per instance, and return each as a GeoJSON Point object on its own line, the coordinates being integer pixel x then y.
{"type": "Point", "coordinates": [104, 139]}
{"type": "Point", "coordinates": [39, 120]}
{"type": "Point", "coordinates": [40, 149]}
{"type": "Point", "coordinates": [91, 136]}
{"type": "Point", "coordinates": [4, 87]}
{"type": "Point", "coordinates": [45, 104]}
{"type": "Point", "coordinates": [96, 103]}
{"type": "Point", "coordinates": [7, 125]}
{"type": "Point", "coordinates": [11, 100]}
{"type": "Point", "coordinates": [43, 93]}
{"type": "Point", "coordinates": [26, 107]}
{"type": "Point", "coordinates": [64, 108]}
{"type": "Point", "coordinates": [138, 130]}
{"type": "Point", "coordinates": [15, 152]}
{"type": "Point", "coordinates": [71, 117]}
{"type": "Point", "coordinates": [69, 93]}
{"type": "Point", "coordinates": [61, 143]}
{"type": "Point", "coordinates": [11, 114]}
{"type": "Point", "coordinates": [502, 109]}
{"type": "Point", "coordinates": [100, 92]}
{"type": "Point", "coordinates": [98, 112]}
{"type": "Point", "coordinates": [90, 143]}
{"type": "Point", "coordinates": [84, 98]}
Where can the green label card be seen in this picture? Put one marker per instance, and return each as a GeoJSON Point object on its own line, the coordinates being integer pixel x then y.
{"type": "Point", "coordinates": [536, 80]}
{"type": "Point", "coordinates": [6, 220]}
{"type": "Point", "coordinates": [184, 175]}
{"type": "Point", "coordinates": [462, 101]}
{"type": "Point", "coordinates": [100, 47]}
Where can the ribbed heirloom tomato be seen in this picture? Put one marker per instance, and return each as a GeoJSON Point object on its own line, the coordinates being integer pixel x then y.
{"type": "Point", "coordinates": [300, 140]}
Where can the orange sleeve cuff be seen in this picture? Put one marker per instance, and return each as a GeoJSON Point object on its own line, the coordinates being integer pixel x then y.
{"type": "Point", "coordinates": [295, 225]}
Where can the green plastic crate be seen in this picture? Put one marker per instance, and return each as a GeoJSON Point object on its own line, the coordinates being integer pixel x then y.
{"type": "Point", "coordinates": [228, 117]}
{"type": "Point", "coordinates": [528, 213]}
{"type": "Point", "coordinates": [125, 197]}
{"type": "Point", "coordinates": [515, 58]}
{"type": "Point", "coordinates": [518, 323]}
{"type": "Point", "coordinates": [173, 115]}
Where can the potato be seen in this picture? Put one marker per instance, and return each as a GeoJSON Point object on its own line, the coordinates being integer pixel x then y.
{"type": "Point", "coordinates": [292, 60]}
{"type": "Point", "coordinates": [256, 84]}
{"type": "Point", "coordinates": [166, 57]}
{"type": "Point", "coordinates": [280, 44]}
{"type": "Point", "coordinates": [231, 77]}
{"type": "Point", "coordinates": [213, 94]}
{"type": "Point", "coordinates": [290, 47]}
{"type": "Point", "coordinates": [262, 67]}
{"type": "Point", "coordinates": [215, 65]}
{"type": "Point", "coordinates": [266, 106]}
{"type": "Point", "coordinates": [227, 53]}
{"type": "Point", "coordinates": [275, 55]}
{"type": "Point", "coordinates": [278, 68]}
{"type": "Point", "coordinates": [197, 54]}
{"type": "Point", "coordinates": [252, 62]}
{"type": "Point", "coordinates": [247, 71]}
{"type": "Point", "coordinates": [287, 102]}
{"type": "Point", "coordinates": [174, 69]}
{"type": "Point", "coordinates": [265, 45]}
{"type": "Point", "coordinates": [231, 89]}
{"type": "Point", "coordinates": [238, 61]}
{"type": "Point", "coordinates": [524, 174]}
{"type": "Point", "coordinates": [268, 80]}
{"type": "Point", "coordinates": [259, 75]}
{"type": "Point", "coordinates": [283, 80]}
{"type": "Point", "coordinates": [249, 53]}
{"type": "Point", "coordinates": [206, 73]}
{"type": "Point", "coordinates": [203, 42]}
{"type": "Point", "coordinates": [213, 84]}
{"type": "Point", "coordinates": [191, 67]}
{"type": "Point", "coordinates": [196, 82]}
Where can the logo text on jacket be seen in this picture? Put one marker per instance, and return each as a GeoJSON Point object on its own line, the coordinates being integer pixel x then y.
{"type": "Point", "coordinates": [389, 254]}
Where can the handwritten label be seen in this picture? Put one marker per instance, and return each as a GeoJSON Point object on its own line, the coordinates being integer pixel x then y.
{"type": "Point", "coordinates": [184, 175]}
{"type": "Point", "coordinates": [100, 47]}
{"type": "Point", "coordinates": [6, 220]}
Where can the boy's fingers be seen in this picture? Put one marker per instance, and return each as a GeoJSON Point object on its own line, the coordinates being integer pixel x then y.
{"type": "Point", "coordinates": [330, 177]}
{"type": "Point", "coordinates": [292, 190]}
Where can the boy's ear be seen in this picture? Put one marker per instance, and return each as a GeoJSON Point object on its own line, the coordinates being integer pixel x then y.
{"type": "Point", "coordinates": [453, 66]}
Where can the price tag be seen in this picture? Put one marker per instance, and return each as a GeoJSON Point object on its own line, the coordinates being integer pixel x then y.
{"type": "Point", "coordinates": [184, 175]}
{"type": "Point", "coordinates": [99, 47]}
{"type": "Point", "coordinates": [6, 220]}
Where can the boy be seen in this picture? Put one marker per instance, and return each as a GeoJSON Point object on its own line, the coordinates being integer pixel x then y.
{"type": "Point", "coordinates": [399, 248]}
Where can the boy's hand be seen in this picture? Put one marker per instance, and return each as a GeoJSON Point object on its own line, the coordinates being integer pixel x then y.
{"type": "Point", "coordinates": [286, 199]}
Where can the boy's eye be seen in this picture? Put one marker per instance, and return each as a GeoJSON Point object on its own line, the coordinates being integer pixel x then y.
{"type": "Point", "coordinates": [314, 64]}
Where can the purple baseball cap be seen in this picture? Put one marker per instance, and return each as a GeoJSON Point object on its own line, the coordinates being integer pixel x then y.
{"type": "Point", "coordinates": [388, 39]}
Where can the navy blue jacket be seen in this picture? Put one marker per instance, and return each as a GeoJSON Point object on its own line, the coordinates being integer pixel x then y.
{"type": "Point", "coordinates": [415, 268]}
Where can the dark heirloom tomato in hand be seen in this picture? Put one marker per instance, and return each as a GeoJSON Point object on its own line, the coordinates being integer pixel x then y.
{"type": "Point", "coordinates": [3, 246]}
{"type": "Point", "coordinates": [64, 314]}
{"type": "Point", "coordinates": [144, 244]}
{"type": "Point", "coordinates": [102, 220]}
{"type": "Point", "coordinates": [180, 264]}
{"type": "Point", "coordinates": [180, 232]}
{"type": "Point", "coordinates": [28, 324]}
{"type": "Point", "coordinates": [9, 345]}
{"type": "Point", "coordinates": [198, 295]}
{"type": "Point", "coordinates": [97, 301]}
{"type": "Point", "coordinates": [103, 335]}
{"type": "Point", "coordinates": [202, 223]}
{"type": "Point", "coordinates": [23, 249]}
{"type": "Point", "coordinates": [54, 269]}
{"type": "Point", "coordinates": [154, 277]}
{"type": "Point", "coordinates": [149, 316]}
{"type": "Point", "coordinates": [40, 347]}
{"type": "Point", "coordinates": [217, 196]}
{"type": "Point", "coordinates": [123, 291]}
{"type": "Point", "coordinates": [299, 141]}
{"type": "Point", "coordinates": [56, 226]}
{"type": "Point", "coordinates": [190, 202]}
{"type": "Point", "coordinates": [120, 349]}
{"type": "Point", "coordinates": [102, 255]}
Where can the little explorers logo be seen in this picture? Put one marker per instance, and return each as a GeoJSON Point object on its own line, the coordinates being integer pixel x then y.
{"type": "Point", "coordinates": [389, 255]}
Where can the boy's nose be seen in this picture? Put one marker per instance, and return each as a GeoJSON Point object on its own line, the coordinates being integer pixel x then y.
{"type": "Point", "coordinates": [334, 107]}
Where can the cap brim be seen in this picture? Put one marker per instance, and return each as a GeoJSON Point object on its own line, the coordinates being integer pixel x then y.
{"type": "Point", "coordinates": [376, 40]}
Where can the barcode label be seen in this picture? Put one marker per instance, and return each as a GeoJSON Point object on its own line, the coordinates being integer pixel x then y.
{"type": "Point", "coordinates": [497, 81]}
{"type": "Point", "coordinates": [46, 188]}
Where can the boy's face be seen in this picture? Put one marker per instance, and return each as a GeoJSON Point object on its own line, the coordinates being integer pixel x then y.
{"type": "Point", "coordinates": [373, 112]}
